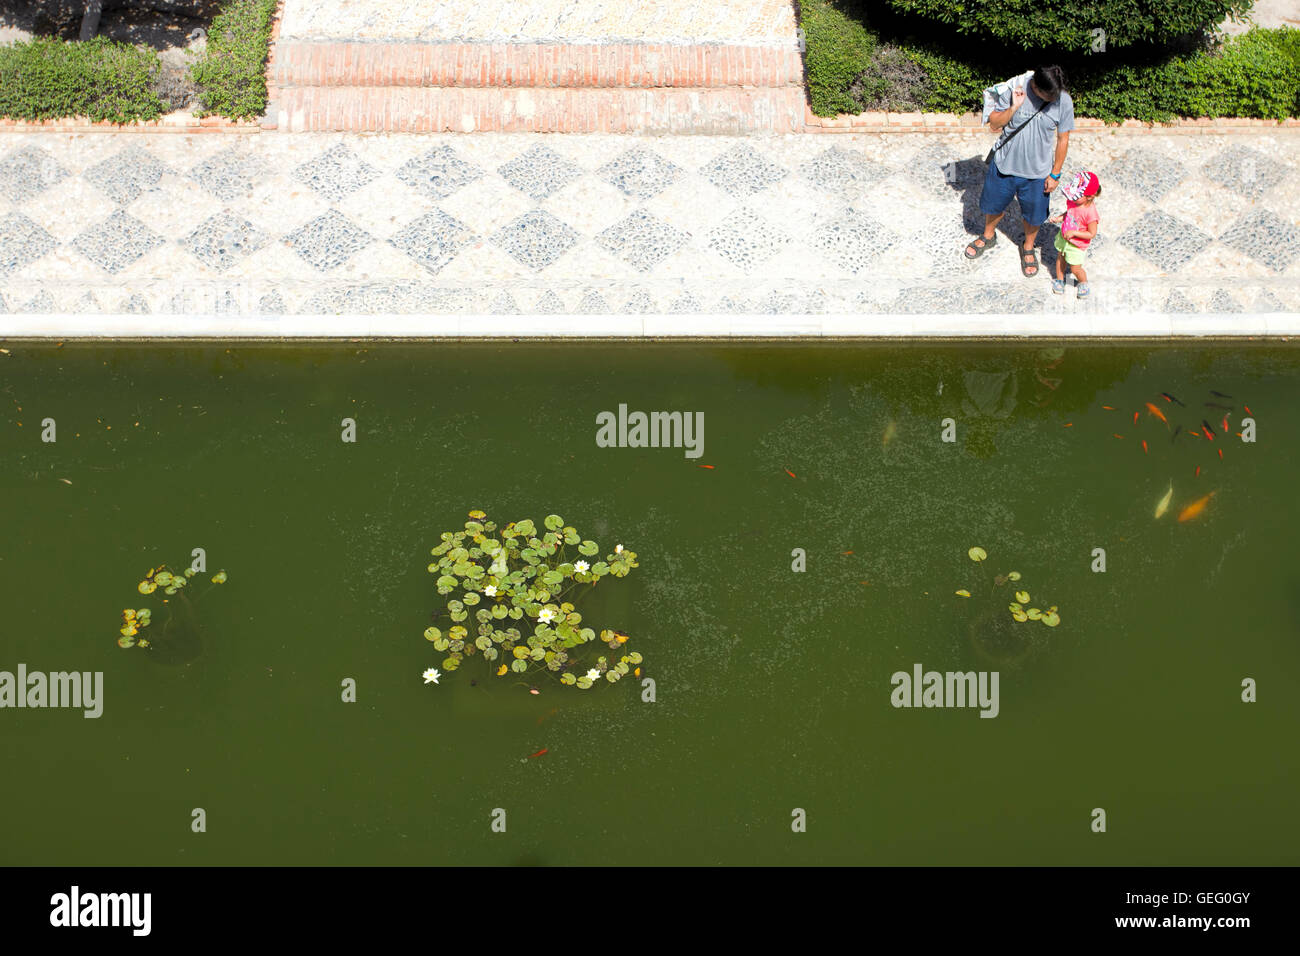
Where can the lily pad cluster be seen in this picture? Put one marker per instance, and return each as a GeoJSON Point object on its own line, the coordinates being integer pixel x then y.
{"type": "Point", "coordinates": [135, 620]}
{"type": "Point", "coordinates": [1019, 611]}
{"type": "Point", "coordinates": [509, 594]}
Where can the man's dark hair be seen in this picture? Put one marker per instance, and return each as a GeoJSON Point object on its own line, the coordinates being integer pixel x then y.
{"type": "Point", "coordinates": [1050, 81]}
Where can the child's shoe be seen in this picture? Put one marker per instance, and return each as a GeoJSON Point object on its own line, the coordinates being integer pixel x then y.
{"type": "Point", "coordinates": [1058, 286]}
{"type": "Point", "coordinates": [1084, 291]}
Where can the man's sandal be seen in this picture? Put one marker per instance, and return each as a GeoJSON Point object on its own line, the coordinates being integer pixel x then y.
{"type": "Point", "coordinates": [980, 244]}
{"type": "Point", "coordinates": [1028, 260]}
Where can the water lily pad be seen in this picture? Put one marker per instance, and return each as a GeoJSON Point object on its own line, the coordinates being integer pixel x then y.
{"type": "Point", "coordinates": [163, 578]}
{"type": "Point", "coordinates": [584, 682]}
{"type": "Point", "coordinates": [519, 667]}
{"type": "Point", "coordinates": [219, 577]}
{"type": "Point", "coordinates": [126, 641]}
{"type": "Point", "coordinates": [962, 593]}
{"type": "Point", "coordinates": [477, 514]}
{"type": "Point", "coordinates": [553, 522]}
{"type": "Point", "coordinates": [146, 587]}
{"type": "Point", "coordinates": [1014, 606]}
{"type": "Point", "coordinates": [1051, 619]}
{"type": "Point", "coordinates": [1034, 613]}
{"type": "Point", "coordinates": [501, 671]}
{"type": "Point", "coordinates": [568, 679]}
{"type": "Point", "coordinates": [1020, 616]}
{"type": "Point", "coordinates": [588, 548]}
{"type": "Point", "coordinates": [977, 554]}
{"type": "Point", "coordinates": [1022, 597]}
{"type": "Point", "coordinates": [432, 633]}
{"type": "Point", "coordinates": [1013, 575]}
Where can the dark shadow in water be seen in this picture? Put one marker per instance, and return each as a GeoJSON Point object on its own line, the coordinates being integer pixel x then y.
{"type": "Point", "coordinates": [177, 642]}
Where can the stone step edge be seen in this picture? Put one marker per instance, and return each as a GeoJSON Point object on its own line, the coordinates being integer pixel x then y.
{"type": "Point", "coordinates": [498, 65]}
{"type": "Point", "coordinates": [544, 110]}
{"type": "Point", "coordinates": [913, 122]}
{"type": "Point", "coordinates": [181, 121]}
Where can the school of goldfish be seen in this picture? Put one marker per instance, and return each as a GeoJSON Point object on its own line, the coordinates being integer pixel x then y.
{"type": "Point", "coordinates": [1203, 430]}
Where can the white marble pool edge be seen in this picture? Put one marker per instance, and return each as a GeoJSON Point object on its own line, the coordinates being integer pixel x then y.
{"type": "Point", "coordinates": [1276, 325]}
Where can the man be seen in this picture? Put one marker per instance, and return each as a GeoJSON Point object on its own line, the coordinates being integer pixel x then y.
{"type": "Point", "coordinates": [1035, 114]}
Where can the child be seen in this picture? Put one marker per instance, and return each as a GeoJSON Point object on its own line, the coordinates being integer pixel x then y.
{"type": "Point", "coordinates": [1078, 228]}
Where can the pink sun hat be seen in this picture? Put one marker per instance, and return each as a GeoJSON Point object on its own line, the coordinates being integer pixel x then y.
{"type": "Point", "coordinates": [1081, 186]}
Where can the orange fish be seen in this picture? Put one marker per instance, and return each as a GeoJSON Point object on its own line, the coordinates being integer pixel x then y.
{"type": "Point", "coordinates": [1248, 411]}
{"type": "Point", "coordinates": [1155, 410]}
{"type": "Point", "coordinates": [1117, 434]}
{"type": "Point", "coordinates": [1198, 471]}
{"type": "Point", "coordinates": [846, 552]}
{"type": "Point", "coordinates": [1068, 425]}
{"type": "Point", "coordinates": [791, 473]}
{"type": "Point", "coordinates": [1144, 446]}
{"type": "Point", "coordinates": [1109, 408]}
{"type": "Point", "coordinates": [1195, 508]}
{"type": "Point", "coordinates": [710, 467]}
{"type": "Point", "coordinates": [546, 750]}
{"type": "Point", "coordinates": [1220, 454]}
{"type": "Point", "coordinates": [550, 713]}
{"type": "Point", "coordinates": [1193, 432]}
{"type": "Point", "coordinates": [1135, 418]}
{"type": "Point", "coordinates": [1225, 423]}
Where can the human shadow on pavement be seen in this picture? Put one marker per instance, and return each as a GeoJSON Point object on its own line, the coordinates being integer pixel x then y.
{"type": "Point", "coordinates": [965, 177]}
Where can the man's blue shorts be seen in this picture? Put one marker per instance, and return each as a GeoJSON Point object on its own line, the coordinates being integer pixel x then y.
{"type": "Point", "coordinates": [999, 188]}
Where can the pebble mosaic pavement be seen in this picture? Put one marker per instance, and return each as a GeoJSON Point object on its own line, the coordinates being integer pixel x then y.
{"type": "Point", "coordinates": [320, 224]}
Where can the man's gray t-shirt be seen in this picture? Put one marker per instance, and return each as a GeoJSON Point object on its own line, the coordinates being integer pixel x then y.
{"type": "Point", "coordinates": [1032, 151]}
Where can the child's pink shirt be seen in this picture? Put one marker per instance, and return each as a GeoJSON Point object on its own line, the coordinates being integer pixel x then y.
{"type": "Point", "coordinates": [1080, 217]}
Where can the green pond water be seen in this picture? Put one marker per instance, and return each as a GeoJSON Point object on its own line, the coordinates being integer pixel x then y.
{"type": "Point", "coordinates": [772, 688]}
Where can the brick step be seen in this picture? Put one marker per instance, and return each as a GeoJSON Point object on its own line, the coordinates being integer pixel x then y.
{"type": "Point", "coordinates": [571, 65]}
{"type": "Point", "coordinates": [422, 109]}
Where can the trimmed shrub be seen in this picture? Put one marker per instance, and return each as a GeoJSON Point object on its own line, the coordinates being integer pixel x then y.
{"type": "Point", "coordinates": [1253, 75]}
{"type": "Point", "coordinates": [1069, 26]}
{"type": "Point", "coordinates": [232, 72]}
{"type": "Point", "coordinates": [102, 79]}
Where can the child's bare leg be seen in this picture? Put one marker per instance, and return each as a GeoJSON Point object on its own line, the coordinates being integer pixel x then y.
{"type": "Point", "coordinates": [1060, 266]}
{"type": "Point", "coordinates": [1078, 273]}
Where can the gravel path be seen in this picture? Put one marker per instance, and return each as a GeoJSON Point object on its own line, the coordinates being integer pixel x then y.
{"type": "Point", "coordinates": [756, 22]}
{"type": "Point", "coordinates": [315, 224]}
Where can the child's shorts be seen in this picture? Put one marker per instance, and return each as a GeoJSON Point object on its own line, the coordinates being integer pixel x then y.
{"type": "Point", "coordinates": [1074, 256]}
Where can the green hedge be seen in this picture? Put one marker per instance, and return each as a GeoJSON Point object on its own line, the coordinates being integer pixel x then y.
{"type": "Point", "coordinates": [105, 80]}
{"type": "Point", "coordinates": [850, 69]}
{"type": "Point", "coordinates": [1256, 75]}
{"type": "Point", "coordinates": [232, 73]}
{"type": "Point", "coordinates": [1042, 24]}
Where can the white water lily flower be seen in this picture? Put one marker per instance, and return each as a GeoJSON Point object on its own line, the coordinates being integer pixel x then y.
{"type": "Point", "coordinates": [581, 566]}
{"type": "Point", "coordinates": [546, 616]}
{"type": "Point", "coordinates": [593, 674]}
{"type": "Point", "coordinates": [431, 676]}
{"type": "Point", "coordinates": [618, 549]}
{"type": "Point", "coordinates": [490, 590]}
